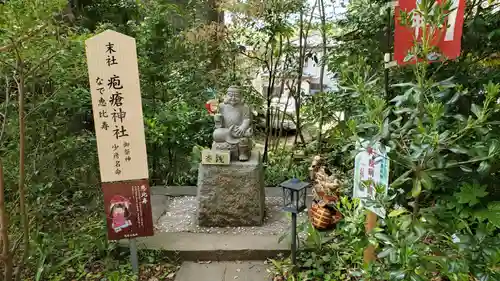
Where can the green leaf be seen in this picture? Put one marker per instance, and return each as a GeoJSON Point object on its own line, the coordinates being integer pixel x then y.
{"type": "Point", "coordinates": [385, 238]}
{"type": "Point", "coordinates": [385, 253]}
{"type": "Point", "coordinates": [398, 100]}
{"type": "Point", "coordinates": [460, 117]}
{"type": "Point", "coordinates": [493, 148]}
{"type": "Point", "coordinates": [454, 99]}
{"type": "Point", "coordinates": [401, 179]}
{"type": "Point", "coordinates": [397, 212]}
{"type": "Point", "coordinates": [459, 150]}
{"type": "Point", "coordinates": [308, 263]}
{"type": "Point", "coordinates": [470, 194]}
{"type": "Point", "coordinates": [465, 168]}
{"type": "Point", "coordinates": [417, 188]}
{"type": "Point", "coordinates": [494, 34]}
{"type": "Point", "coordinates": [426, 180]}
{"type": "Point", "coordinates": [491, 213]}
{"type": "Point", "coordinates": [405, 84]}
{"type": "Point", "coordinates": [416, 277]}
{"type": "Point", "coordinates": [397, 275]}
{"type": "Point", "coordinates": [484, 168]}
{"type": "Point", "coordinates": [476, 109]}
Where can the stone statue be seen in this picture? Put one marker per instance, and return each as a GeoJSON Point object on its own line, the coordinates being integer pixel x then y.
{"type": "Point", "coordinates": [233, 126]}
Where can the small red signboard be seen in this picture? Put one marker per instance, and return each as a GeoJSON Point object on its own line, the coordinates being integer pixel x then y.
{"type": "Point", "coordinates": [448, 40]}
{"type": "Point", "coordinates": [128, 209]}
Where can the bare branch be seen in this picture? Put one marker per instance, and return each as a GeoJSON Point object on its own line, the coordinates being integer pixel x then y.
{"type": "Point", "coordinates": [34, 68]}
{"type": "Point", "coordinates": [265, 62]}
{"type": "Point", "coordinates": [7, 96]}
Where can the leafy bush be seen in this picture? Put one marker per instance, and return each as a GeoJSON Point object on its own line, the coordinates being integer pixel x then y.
{"type": "Point", "coordinates": [441, 224]}
{"type": "Point", "coordinates": [62, 178]}
{"type": "Point", "coordinates": [282, 166]}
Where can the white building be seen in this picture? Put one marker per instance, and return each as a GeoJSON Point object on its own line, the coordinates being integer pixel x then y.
{"type": "Point", "coordinates": [311, 71]}
{"type": "Point", "coordinates": [310, 80]}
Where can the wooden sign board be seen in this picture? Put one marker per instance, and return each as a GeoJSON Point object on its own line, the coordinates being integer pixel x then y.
{"type": "Point", "coordinates": [215, 157]}
{"type": "Point", "coordinates": [117, 106]}
{"type": "Point", "coordinates": [128, 209]}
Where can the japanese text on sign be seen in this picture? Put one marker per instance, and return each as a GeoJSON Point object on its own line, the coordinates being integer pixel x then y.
{"type": "Point", "coordinates": [215, 157]}
{"type": "Point", "coordinates": [117, 106]}
{"type": "Point", "coordinates": [372, 165]}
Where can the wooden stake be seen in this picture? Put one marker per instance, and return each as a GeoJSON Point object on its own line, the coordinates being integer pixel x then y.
{"type": "Point", "coordinates": [371, 222]}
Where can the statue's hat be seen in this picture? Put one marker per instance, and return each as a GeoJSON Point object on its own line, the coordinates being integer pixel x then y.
{"type": "Point", "coordinates": [233, 88]}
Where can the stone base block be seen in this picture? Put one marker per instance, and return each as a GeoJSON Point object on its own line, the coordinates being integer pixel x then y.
{"type": "Point", "coordinates": [231, 195]}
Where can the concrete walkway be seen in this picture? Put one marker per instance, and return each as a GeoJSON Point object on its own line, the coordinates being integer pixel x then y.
{"type": "Point", "coordinates": [223, 271]}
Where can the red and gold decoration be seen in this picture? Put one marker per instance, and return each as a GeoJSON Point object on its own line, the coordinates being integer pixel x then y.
{"type": "Point", "coordinates": [323, 217]}
{"type": "Point", "coordinates": [212, 106]}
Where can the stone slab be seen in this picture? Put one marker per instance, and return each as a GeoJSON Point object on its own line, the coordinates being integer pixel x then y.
{"type": "Point", "coordinates": [191, 271]}
{"type": "Point", "coordinates": [213, 247]}
{"type": "Point", "coordinates": [223, 271]}
{"type": "Point", "coordinates": [231, 195]}
{"type": "Point", "coordinates": [246, 271]}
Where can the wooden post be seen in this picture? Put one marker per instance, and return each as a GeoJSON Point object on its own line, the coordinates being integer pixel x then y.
{"type": "Point", "coordinates": [133, 255]}
{"type": "Point", "coordinates": [370, 223]}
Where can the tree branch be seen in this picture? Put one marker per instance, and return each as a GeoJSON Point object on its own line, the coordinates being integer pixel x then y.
{"type": "Point", "coordinates": [34, 109]}
{"type": "Point", "coordinates": [7, 96]}
{"type": "Point", "coordinates": [34, 68]}
{"type": "Point", "coordinates": [23, 38]}
{"type": "Point", "coordinates": [265, 62]}
{"type": "Point", "coordinates": [22, 172]}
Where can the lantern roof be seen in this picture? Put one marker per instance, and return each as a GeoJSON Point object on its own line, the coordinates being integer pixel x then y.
{"type": "Point", "coordinates": [294, 184]}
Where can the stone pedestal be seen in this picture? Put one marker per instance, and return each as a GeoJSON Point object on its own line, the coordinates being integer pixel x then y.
{"type": "Point", "coordinates": [231, 195]}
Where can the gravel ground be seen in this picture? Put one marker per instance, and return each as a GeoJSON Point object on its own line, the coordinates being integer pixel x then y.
{"type": "Point", "coordinates": [180, 216]}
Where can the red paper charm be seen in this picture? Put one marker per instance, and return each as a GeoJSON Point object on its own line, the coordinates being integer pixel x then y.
{"type": "Point", "coordinates": [212, 106]}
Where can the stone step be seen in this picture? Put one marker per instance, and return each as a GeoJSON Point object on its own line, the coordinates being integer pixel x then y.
{"type": "Point", "coordinates": [223, 271]}
{"type": "Point", "coordinates": [214, 247]}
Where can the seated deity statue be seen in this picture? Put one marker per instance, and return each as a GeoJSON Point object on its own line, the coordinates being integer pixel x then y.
{"type": "Point", "coordinates": [233, 126]}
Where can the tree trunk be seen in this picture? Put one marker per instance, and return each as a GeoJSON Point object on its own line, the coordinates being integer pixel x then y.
{"type": "Point", "coordinates": [5, 257]}
{"type": "Point", "coordinates": [268, 109]}
{"type": "Point", "coordinates": [216, 17]}
{"type": "Point", "coordinates": [299, 75]}
{"type": "Point", "coordinates": [322, 70]}
{"type": "Point", "coordinates": [276, 65]}
{"type": "Point", "coordinates": [22, 174]}
{"type": "Point", "coordinates": [303, 34]}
